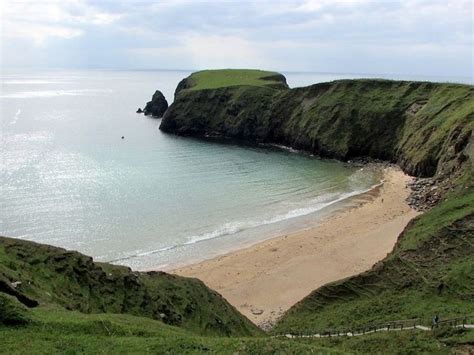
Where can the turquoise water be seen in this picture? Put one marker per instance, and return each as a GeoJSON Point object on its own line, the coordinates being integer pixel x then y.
{"type": "Point", "coordinates": [151, 199]}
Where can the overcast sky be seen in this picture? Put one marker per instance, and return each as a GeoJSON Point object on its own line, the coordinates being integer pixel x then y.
{"type": "Point", "coordinates": [420, 37]}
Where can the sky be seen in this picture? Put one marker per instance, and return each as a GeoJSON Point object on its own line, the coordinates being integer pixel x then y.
{"type": "Point", "coordinates": [414, 37]}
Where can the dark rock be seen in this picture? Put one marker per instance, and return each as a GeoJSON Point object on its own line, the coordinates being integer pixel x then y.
{"type": "Point", "coordinates": [139, 110]}
{"type": "Point", "coordinates": [427, 192]}
{"type": "Point", "coordinates": [157, 106]}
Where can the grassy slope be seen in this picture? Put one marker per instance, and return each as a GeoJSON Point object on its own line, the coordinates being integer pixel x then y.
{"type": "Point", "coordinates": [54, 276]}
{"type": "Point", "coordinates": [441, 341]}
{"type": "Point", "coordinates": [55, 330]}
{"type": "Point", "coordinates": [212, 79]}
{"type": "Point", "coordinates": [51, 329]}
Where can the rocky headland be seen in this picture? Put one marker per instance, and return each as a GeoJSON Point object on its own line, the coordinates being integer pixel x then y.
{"type": "Point", "coordinates": [425, 128]}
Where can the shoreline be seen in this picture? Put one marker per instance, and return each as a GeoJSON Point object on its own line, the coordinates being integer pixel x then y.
{"type": "Point", "coordinates": [265, 279]}
{"type": "Point", "coordinates": [306, 221]}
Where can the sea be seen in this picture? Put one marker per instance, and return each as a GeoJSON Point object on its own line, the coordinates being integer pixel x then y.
{"type": "Point", "coordinates": [150, 200]}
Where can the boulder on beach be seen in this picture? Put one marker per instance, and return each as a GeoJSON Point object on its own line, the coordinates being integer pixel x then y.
{"type": "Point", "coordinates": [139, 110]}
{"type": "Point", "coordinates": [157, 106]}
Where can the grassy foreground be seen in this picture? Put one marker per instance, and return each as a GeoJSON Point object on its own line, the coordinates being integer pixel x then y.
{"type": "Point", "coordinates": [45, 275]}
{"type": "Point", "coordinates": [52, 330]}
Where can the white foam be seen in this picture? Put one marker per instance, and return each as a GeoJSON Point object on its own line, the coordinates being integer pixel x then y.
{"type": "Point", "coordinates": [285, 147]}
{"type": "Point", "coordinates": [151, 252]}
{"type": "Point", "coordinates": [235, 227]}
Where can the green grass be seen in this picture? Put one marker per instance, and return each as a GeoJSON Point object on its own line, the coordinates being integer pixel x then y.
{"type": "Point", "coordinates": [212, 79]}
{"type": "Point", "coordinates": [12, 312]}
{"type": "Point", "coordinates": [54, 276]}
{"type": "Point", "coordinates": [54, 330]}
{"type": "Point", "coordinates": [455, 208]}
{"type": "Point", "coordinates": [442, 341]}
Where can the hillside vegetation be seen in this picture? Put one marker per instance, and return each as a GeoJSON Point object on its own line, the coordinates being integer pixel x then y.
{"type": "Point", "coordinates": [47, 275]}
{"type": "Point", "coordinates": [52, 330]}
{"type": "Point", "coordinates": [56, 301]}
{"type": "Point", "coordinates": [426, 128]}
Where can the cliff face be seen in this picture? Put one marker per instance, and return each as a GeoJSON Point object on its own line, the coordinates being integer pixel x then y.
{"type": "Point", "coordinates": [424, 127]}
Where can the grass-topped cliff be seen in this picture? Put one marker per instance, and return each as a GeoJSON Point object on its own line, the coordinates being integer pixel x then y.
{"type": "Point", "coordinates": [213, 79]}
{"type": "Point", "coordinates": [415, 124]}
{"type": "Point", "coordinates": [426, 128]}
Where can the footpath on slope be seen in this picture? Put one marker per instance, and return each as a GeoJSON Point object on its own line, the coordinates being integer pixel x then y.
{"type": "Point", "coordinates": [399, 325]}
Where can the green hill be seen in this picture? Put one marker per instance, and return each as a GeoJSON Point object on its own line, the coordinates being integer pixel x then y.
{"type": "Point", "coordinates": [53, 276]}
{"type": "Point", "coordinates": [53, 300]}
{"type": "Point", "coordinates": [58, 301]}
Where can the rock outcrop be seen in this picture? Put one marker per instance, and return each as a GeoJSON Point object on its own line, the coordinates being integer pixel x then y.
{"type": "Point", "coordinates": [157, 106]}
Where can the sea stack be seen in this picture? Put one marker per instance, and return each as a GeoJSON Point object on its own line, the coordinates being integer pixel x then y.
{"type": "Point", "coordinates": [157, 106]}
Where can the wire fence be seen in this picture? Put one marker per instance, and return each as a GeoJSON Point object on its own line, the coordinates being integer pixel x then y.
{"type": "Point", "coordinates": [466, 322]}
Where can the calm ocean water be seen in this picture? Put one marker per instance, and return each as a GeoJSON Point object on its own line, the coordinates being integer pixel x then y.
{"type": "Point", "coordinates": [68, 179]}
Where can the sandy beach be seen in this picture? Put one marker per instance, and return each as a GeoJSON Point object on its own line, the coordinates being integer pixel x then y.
{"type": "Point", "coordinates": [266, 279]}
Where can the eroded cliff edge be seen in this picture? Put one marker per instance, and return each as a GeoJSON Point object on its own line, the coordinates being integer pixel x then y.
{"type": "Point", "coordinates": [423, 127]}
